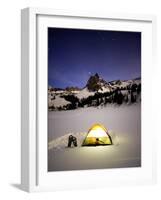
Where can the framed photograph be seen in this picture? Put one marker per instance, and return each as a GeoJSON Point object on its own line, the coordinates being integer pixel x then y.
{"type": "Point", "coordinates": [86, 108]}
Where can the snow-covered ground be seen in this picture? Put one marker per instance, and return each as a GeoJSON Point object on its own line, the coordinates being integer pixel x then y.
{"type": "Point", "coordinates": [123, 123]}
{"type": "Point", "coordinates": [58, 101]}
{"type": "Point", "coordinates": [84, 93]}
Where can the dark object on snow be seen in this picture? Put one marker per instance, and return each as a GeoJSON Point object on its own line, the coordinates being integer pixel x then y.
{"type": "Point", "coordinates": [72, 140]}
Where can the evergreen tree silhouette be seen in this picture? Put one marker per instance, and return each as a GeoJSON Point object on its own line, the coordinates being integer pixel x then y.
{"type": "Point", "coordinates": [133, 98]}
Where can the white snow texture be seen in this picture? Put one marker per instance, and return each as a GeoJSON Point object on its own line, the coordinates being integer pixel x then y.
{"type": "Point", "coordinates": [123, 124]}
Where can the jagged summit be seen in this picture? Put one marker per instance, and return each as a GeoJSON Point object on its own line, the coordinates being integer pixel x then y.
{"type": "Point", "coordinates": [96, 92]}
{"type": "Point", "coordinates": [95, 83]}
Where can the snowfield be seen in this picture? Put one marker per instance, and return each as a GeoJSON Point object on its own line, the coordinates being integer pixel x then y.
{"type": "Point", "coordinates": [58, 101]}
{"type": "Point", "coordinates": [84, 93]}
{"type": "Point", "coordinates": [123, 124]}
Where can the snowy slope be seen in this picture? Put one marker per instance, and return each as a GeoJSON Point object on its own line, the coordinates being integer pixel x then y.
{"type": "Point", "coordinates": [104, 89]}
{"type": "Point", "coordinates": [84, 93]}
{"type": "Point", "coordinates": [124, 83]}
{"type": "Point", "coordinates": [58, 101]}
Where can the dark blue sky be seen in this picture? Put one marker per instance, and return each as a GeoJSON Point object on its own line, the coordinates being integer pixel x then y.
{"type": "Point", "coordinates": [74, 55]}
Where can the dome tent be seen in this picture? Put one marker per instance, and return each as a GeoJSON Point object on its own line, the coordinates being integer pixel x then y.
{"type": "Point", "coordinates": [97, 135]}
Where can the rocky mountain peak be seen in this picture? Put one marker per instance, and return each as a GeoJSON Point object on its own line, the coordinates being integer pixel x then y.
{"type": "Point", "coordinates": [95, 83]}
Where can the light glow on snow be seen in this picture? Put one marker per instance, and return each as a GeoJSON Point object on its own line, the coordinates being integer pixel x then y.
{"type": "Point", "coordinates": [97, 131]}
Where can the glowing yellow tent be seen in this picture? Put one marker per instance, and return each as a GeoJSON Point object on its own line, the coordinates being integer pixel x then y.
{"type": "Point", "coordinates": [97, 135]}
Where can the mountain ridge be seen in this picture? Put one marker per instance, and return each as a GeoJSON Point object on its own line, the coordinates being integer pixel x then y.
{"type": "Point", "coordinates": [96, 75]}
{"type": "Point", "coordinates": [96, 92]}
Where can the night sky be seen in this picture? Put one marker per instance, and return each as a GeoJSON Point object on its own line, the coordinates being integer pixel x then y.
{"type": "Point", "coordinates": [74, 55]}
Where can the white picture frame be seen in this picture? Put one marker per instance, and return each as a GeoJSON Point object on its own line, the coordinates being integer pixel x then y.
{"type": "Point", "coordinates": [34, 176]}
